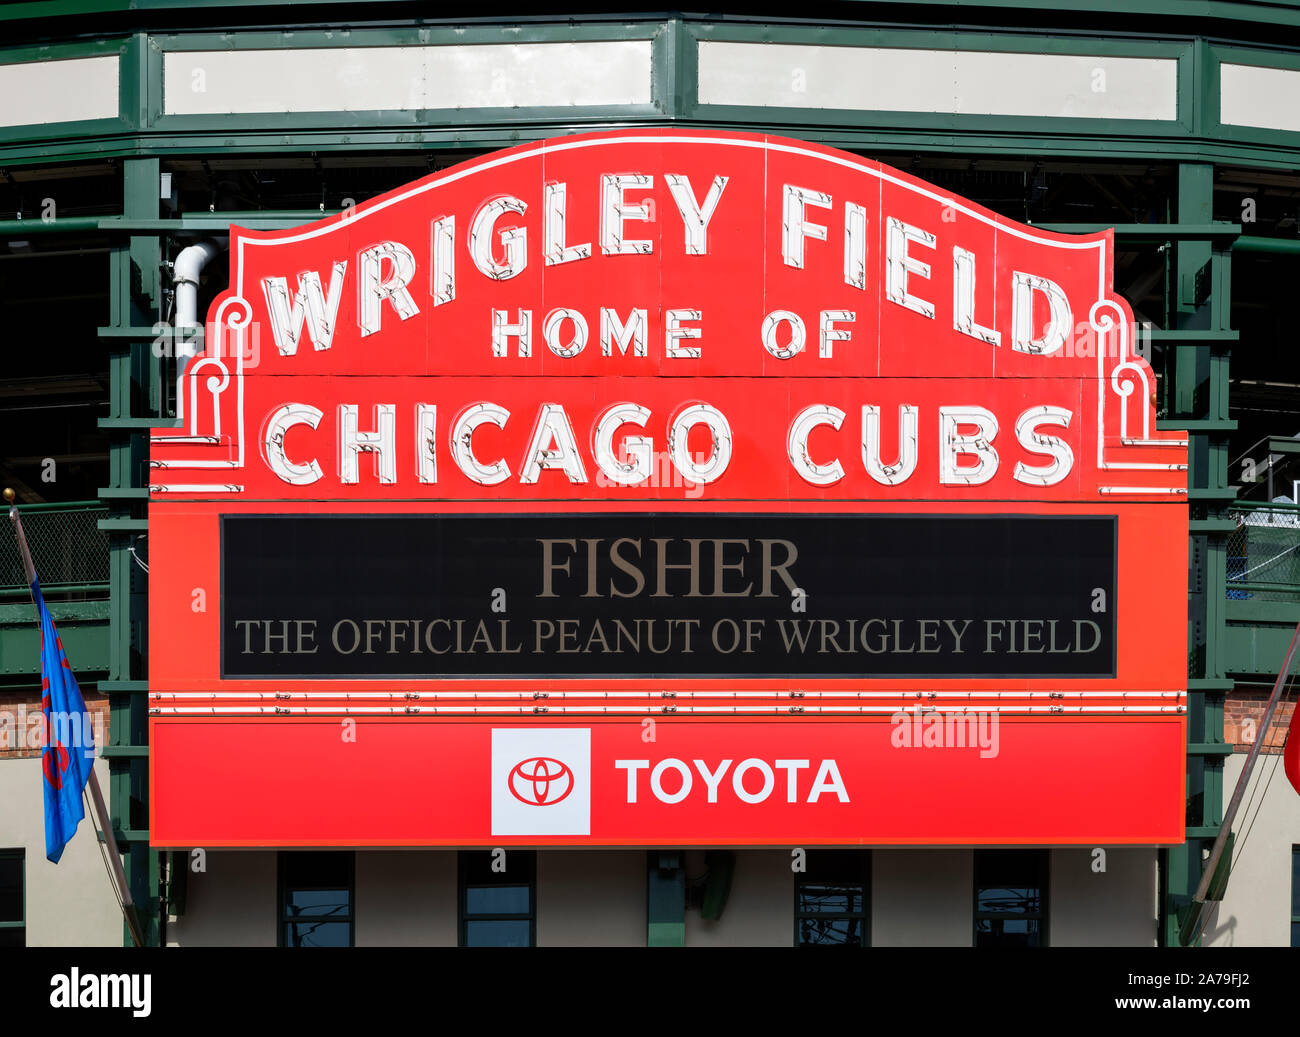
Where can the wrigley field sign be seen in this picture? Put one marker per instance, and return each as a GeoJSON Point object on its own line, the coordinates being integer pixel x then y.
{"type": "Point", "coordinates": [667, 488]}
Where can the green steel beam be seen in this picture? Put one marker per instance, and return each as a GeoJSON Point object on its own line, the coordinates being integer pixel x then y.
{"type": "Point", "coordinates": [1145, 232]}
{"type": "Point", "coordinates": [1209, 749]}
{"type": "Point", "coordinates": [110, 752]}
{"type": "Point", "coordinates": [197, 223]}
{"type": "Point", "coordinates": [83, 626]}
{"type": "Point", "coordinates": [1265, 13]}
{"type": "Point", "coordinates": [1182, 337]}
{"type": "Point", "coordinates": [124, 687]}
{"type": "Point", "coordinates": [1256, 648]}
{"type": "Point", "coordinates": [143, 129]}
{"type": "Point", "coordinates": [95, 590]}
{"type": "Point", "coordinates": [1047, 142]}
{"type": "Point", "coordinates": [276, 219]}
{"type": "Point", "coordinates": [1273, 246]}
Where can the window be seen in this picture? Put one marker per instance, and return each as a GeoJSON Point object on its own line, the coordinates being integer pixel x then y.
{"type": "Point", "coordinates": [831, 899]}
{"type": "Point", "coordinates": [498, 908]}
{"type": "Point", "coordinates": [1295, 896]}
{"type": "Point", "coordinates": [13, 917]}
{"type": "Point", "coordinates": [1011, 898]}
{"type": "Point", "coordinates": [316, 899]}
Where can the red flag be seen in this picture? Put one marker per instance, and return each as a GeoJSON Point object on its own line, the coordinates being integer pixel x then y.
{"type": "Point", "coordinates": [1291, 754]}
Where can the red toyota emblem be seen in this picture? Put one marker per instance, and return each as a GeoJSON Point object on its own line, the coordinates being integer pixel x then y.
{"type": "Point", "coordinates": [540, 781]}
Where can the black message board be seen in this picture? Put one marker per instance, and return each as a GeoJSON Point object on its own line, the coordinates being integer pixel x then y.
{"type": "Point", "coordinates": [627, 595]}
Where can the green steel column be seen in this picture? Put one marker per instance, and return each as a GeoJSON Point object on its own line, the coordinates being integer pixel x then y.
{"type": "Point", "coordinates": [1198, 401]}
{"type": "Point", "coordinates": [133, 397]}
{"type": "Point", "coordinates": [665, 898]}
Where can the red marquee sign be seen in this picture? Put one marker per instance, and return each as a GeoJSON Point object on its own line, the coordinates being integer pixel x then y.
{"type": "Point", "coordinates": [667, 488]}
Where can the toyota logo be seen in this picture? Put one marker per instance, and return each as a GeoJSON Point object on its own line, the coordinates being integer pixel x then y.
{"type": "Point", "coordinates": [540, 781]}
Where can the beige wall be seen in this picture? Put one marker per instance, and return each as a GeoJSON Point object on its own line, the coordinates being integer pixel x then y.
{"type": "Point", "coordinates": [925, 898]}
{"type": "Point", "coordinates": [760, 909]}
{"type": "Point", "coordinates": [71, 903]}
{"type": "Point", "coordinates": [922, 898]}
{"type": "Point", "coordinates": [1114, 908]}
{"type": "Point", "coordinates": [406, 898]}
{"type": "Point", "coordinates": [230, 904]}
{"type": "Point", "coordinates": [591, 898]}
{"type": "Point", "coordinates": [1256, 907]}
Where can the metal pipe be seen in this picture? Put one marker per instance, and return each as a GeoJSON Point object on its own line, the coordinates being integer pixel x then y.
{"type": "Point", "coordinates": [186, 269]}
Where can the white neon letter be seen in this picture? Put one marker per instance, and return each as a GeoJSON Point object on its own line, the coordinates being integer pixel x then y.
{"type": "Point", "coordinates": [551, 332]}
{"type": "Point", "coordinates": [963, 299]}
{"type": "Point", "coordinates": [614, 332]}
{"type": "Point", "coordinates": [902, 469]}
{"type": "Point", "coordinates": [614, 211]}
{"type": "Point", "coordinates": [795, 226]}
{"type": "Point", "coordinates": [502, 329]}
{"type": "Point", "coordinates": [679, 433]}
{"type": "Point", "coordinates": [553, 425]}
{"type": "Point", "coordinates": [462, 445]}
{"type": "Point", "coordinates": [514, 240]}
{"type": "Point", "coordinates": [381, 441]}
{"type": "Point", "coordinates": [288, 310]}
{"type": "Point", "coordinates": [796, 445]}
{"type": "Point", "coordinates": [1040, 443]}
{"type": "Point", "coordinates": [442, 244]}
{"type": "Point", "coordinates": [695, 217]}
{"type": "Point", "coordinates": [899, 265]}
{"type": "Point", "coordinates": [638, 448]}
{"type": "Point", "coordinates": [980, 444]}
{"type": "Point", "coordinates": [426, 449]}
{"type": "Point", "coordinates": [1023, 287]}
{"type": "Point", "coordinates": [373, 290]}
{"type": "Point", "coordinates": [277, 427]}
{"type": "Point", "coordinates": [556, 250]}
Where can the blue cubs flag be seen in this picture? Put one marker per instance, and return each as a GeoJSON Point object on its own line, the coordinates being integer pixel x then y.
{"type": "Point", "coordinates": [69, 745]}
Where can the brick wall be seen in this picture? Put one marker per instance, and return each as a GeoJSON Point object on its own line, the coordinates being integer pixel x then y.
{"type": "Point", "coordinates": [20, 724]}
{"type": "Point", "coordinates": [1245, 705]}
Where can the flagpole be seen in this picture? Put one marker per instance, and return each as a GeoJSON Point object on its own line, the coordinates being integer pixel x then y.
{"type": "Point", "coordinates": [97, 797]}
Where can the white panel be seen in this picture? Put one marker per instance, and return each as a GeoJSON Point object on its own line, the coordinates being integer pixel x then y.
{"type": "Point", "coordinates": [1114, 908]}
{"type": "Point", "coordinates": [958, 82]}
{"type": "Point", "coordinates": [36, 92]}
{"type": "Point", "coordinates": [1265, 97]}
{"type": "Point", "coordinates": [357, 79]}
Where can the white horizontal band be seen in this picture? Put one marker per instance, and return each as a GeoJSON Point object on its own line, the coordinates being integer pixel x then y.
{"type": "Point", "coordinates": [522, 710]}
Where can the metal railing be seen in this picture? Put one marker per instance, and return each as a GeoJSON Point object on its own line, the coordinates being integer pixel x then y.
{"type": "Point", "coordinates": [1263, 562]}
{"type": "Point", "coordinates": [69, 549]}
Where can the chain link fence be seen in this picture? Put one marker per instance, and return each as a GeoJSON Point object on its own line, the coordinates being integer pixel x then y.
{"type": "Point", "coordinates": [1263, 561]}
{"type": "Point", "coordinates": [68, 548]}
